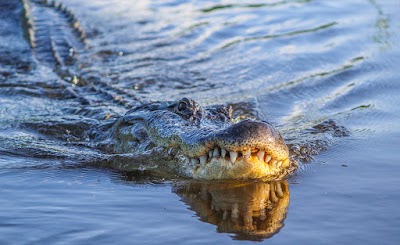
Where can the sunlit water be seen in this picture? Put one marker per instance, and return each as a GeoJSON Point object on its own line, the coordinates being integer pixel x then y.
{"type": "Point", "coordinates": [293, 63]}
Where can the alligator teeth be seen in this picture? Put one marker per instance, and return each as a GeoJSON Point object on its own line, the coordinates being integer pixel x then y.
{"type": "Point", "coordinates": [203, 160]}
{"type": "Point", "coordinates": [235, 211]}
{"type": "Point", "coordinates": [225, 215]}
{"type": "Point", "coordinates": [270, 164]}
{"type": "Point", "coordinates": [273, 163]}
{"type": "Point", "coordinates": [233, 155]}
{"type": "Point", "coordinates": [223, 152]}
{"type": "Point", "coordinates": [194, 161]}
{"type": "Point", "coordinates": [215, 152]}
{"type": "Point", "coordinates": [279, 191]}
{"type": "Point", "coordinates": [273, 196]}
{"type": "Point", "coordinates": [286, 162]}
{"type": "Point", "coordinates": [246, 154]}
{"type": "Point", "coordinates": [260, 155]}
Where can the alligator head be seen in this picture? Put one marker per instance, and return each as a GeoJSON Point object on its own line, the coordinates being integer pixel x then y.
{"type": "Point", "coordinates": [203, 143]}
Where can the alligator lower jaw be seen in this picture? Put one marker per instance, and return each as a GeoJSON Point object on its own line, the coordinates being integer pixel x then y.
{"type": "Point", "coordinates": [249, 164]}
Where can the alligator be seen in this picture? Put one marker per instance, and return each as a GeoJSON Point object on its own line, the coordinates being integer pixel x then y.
{"type": "Point", "coordinates": [200, 143]}
{"type": "Point", "coordinates": [168, 137]}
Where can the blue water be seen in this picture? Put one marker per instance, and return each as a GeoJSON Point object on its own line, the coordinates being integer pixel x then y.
{"type": "Point", "coordinates": [296, 63]}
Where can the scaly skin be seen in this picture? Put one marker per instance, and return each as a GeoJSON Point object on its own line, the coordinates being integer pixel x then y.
{"type": "Point", "coordinates": [202, 143]}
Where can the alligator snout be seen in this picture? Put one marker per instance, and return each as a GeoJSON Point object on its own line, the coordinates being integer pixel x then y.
{"type": "Point", "coordinates": [248, 148]}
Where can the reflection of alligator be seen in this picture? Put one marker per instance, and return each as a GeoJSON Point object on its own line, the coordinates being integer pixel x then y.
{"type": "Point", "coordinates": [250, 210]}
{"type": "Point", "coordinates": [202, 143]}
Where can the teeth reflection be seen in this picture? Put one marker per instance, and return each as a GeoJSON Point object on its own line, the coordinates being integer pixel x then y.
{"type": "Point", "coordinates": [244, 210]}
{"type": "Point", "coordinates": [233, 155]}
{"type": "Point", "coordinates": [223, 152]}
{"type": "Point", "coordinates": [248, 218]}
{"type": "Point", "coordinates": [268, 190]}
{"type": "Point", "coordinates": [203, 160]}
{"type": "Point", "coordinates": [279, 191]}
{"type": "Point", "coordinates": [273, 196]}
{"type": "Point", "coordinates": [210, 153]}
{"type": "Point", "coordinates": [215, 152]}
{"type": "Point", "coordinates": [260, 155]}
{"type": "Point", "coordinates": [235, 212]}
{"type": "Point", "coordinates": [225, 215]}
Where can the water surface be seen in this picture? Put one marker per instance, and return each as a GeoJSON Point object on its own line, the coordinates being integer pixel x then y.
{"type": "Point", "coordinates": [294, 63]}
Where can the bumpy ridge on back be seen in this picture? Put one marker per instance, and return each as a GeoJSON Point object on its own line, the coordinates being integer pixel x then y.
{"type": "Point", "coordinates": [55, 35]}
{"type": "Point", "coordinates": [58, 41]}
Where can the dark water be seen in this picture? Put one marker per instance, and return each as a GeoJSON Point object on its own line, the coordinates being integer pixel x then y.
{"type": "Point", "coordinates": [293, 63]}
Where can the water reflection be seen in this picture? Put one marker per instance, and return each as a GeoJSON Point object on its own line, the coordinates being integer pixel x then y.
{"type": "Point", "coordinates": [248, 210]}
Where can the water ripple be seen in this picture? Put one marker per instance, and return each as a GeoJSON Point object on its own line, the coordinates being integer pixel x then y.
{"type": "Point", "coordinates": [287, 34]}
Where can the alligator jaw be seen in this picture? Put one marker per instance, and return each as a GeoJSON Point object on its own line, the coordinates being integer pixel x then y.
{"type": "Point", "coordinates": [250, 164]}
{"type": "Point", "coordinates": [243, 167]}
{"type": "Point", "coordinates": [246, 150]}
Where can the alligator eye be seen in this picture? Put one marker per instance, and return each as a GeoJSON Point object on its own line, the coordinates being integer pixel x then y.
{"type": "Point", "coordinates": [182, 106]}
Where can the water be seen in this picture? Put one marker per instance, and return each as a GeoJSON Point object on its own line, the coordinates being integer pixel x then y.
{"type": "Point", "coordinates": [293, 63]}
